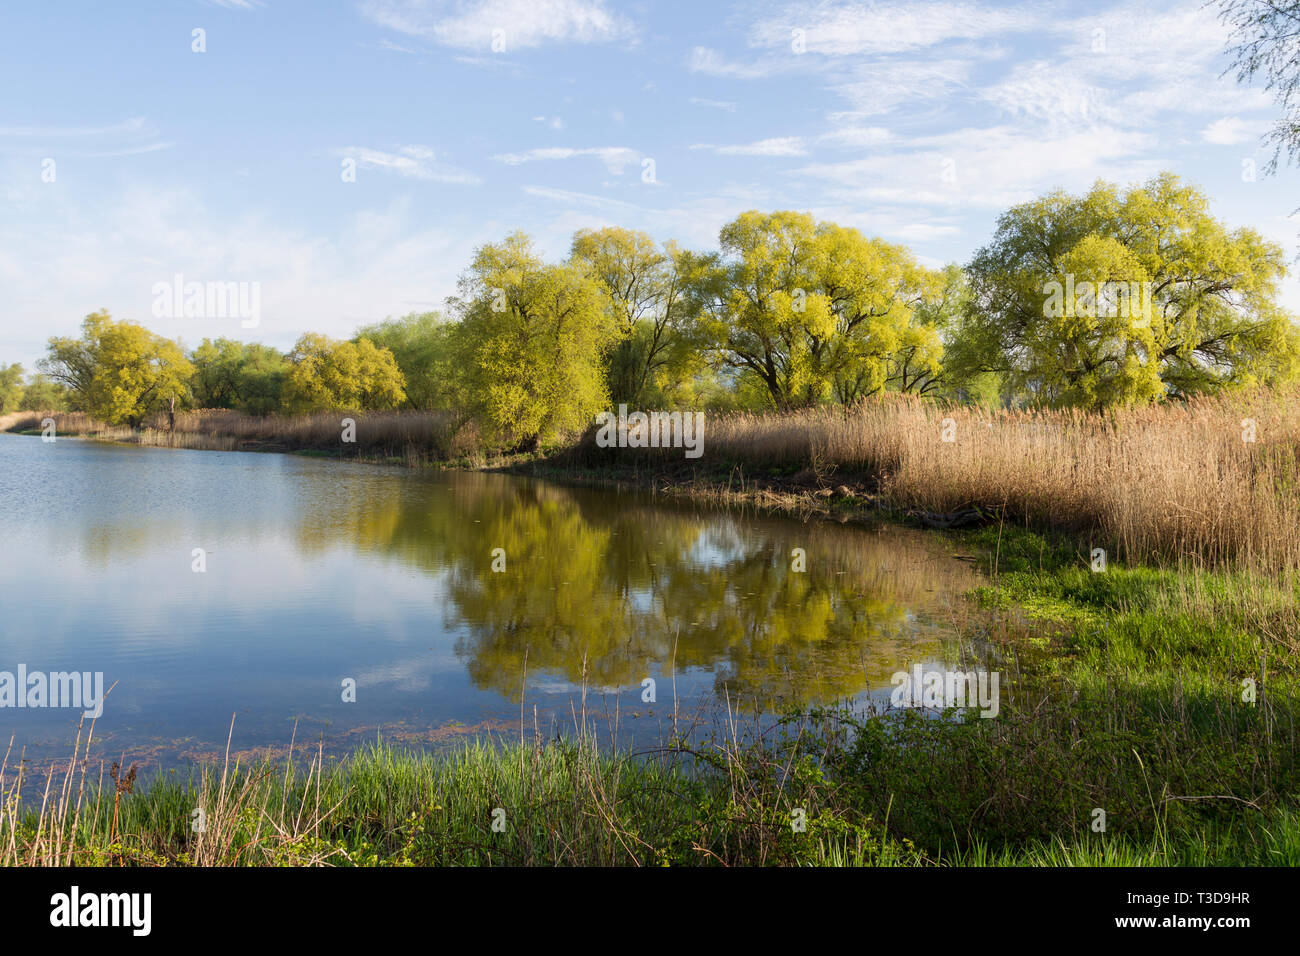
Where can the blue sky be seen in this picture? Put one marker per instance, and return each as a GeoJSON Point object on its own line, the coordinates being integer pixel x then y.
{"type": "Point", "coordinates": [915, 121]}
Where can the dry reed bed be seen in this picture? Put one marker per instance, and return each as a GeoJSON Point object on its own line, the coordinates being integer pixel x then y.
{"type": "Point", "coordinates": [1173, 481]}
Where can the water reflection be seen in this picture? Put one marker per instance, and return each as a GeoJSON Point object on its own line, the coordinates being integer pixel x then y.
{"type": "Point", "coordinates": [607, 589]}
{"type": "Point", "coordinates": [318, 570]}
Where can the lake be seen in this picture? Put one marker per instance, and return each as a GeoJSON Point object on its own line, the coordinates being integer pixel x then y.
{"type": "Point", "coordinates": [316, 573]}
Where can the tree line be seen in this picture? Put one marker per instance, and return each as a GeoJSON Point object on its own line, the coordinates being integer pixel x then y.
{"type": "Point", "coordinates": [1117, 297]}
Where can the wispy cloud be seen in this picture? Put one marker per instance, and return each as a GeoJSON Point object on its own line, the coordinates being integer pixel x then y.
{"type": "Point", "coordinates": [695, 221]}
{"type": "Point", "coordinates": [709, 61]}
{"type": "Point", "coordinates": [387, 44]}
{"type": "Point", "coordinates": [580, 199]}
{"type": "Point", "coordinates": [989, 168]}
{"type": "Point", "coordinates": [854, 136]}
{"type": "Point", "coordinates": [127, 138]}
{"type": "Point", "coordinates": [132, 150]}
{"type": "Point", "coordinates": [134, 125]}
{"type": "Point", "coordinates": [879, 87]}
{"type": "Point", "coordinates": [714, 104]}
{"type": "Point", "coordinates": [511, 24]}
{"type": "Point", "coordinates": [615, 158]}
{"type": "Point", "coordinates": [1042, 90]}
{"type": "Point", "coordinates": [414, 162]}
{"type": "Point", "coordinates": [779, 146]}
{"type": "Point", "coordinates": [1229, 131]}
{"type": "Point", "coordinates": [854, 29]}
{"type": "Point", "coordinates": [815, 36]}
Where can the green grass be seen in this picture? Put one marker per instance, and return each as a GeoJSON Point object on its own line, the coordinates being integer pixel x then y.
{"type": "Point", "coordinates": [559, 803]}
{"type": "Point", "coordinates": [915, 793]}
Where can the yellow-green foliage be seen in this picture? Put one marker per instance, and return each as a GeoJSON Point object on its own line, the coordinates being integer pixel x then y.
{"type": "Point", "coordinates": [421, 345]}
{"type": "Point", "coordinates": [330, 374]}
{"type": "Point", "coordinates": [119, 371]}
{"type": "Point", "coordinates": [11, 387]}
{"type": "Point", "coordinates": [816, 310]}
{"type": "Point", "coordinates": [1213, 322]}
{"type": "Point", "coordinates": [1113, 299]}
{"type": "Point", "coordinates": [248, 376]}
{"type": "Point", "coordinates": [646, 289]}
{"type": "Point", "coordinates": [531, 343]}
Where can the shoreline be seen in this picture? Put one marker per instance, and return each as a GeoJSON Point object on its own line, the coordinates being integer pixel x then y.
{"type": "Point", "coordinates": [1222, 500]}
{"type": "Point", "coordinates": [801, 496]}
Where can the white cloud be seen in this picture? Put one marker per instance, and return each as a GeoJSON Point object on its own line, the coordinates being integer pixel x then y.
{"type": "Point", "coordinates": [779, 146]}
{"type": "Point", "coordinates": [1157, 59]}
{"type": "Point", "coordinates": [715, 104]}
{"type": "Point", "coordinates": [989, 168]}
{"type": "Point", "coordinates": [923, 231]}
{"type": "Point", "coordinates": [855, 136]}
{"type": "Point", "coordinates": [97, 252]}
{"type": "Point", "coordinates": [1229, 131]}
{"type": "Point", "coordinates": [414, 162]}
{"type": "Point", "coordinates": [387, 44]}
{"type": "Point", "coordinates": [132, 150]}
{"type": "Point", "coordinates": [695, 222]}
{"type": "Point", "coordinates": [875, 88]}
{"type": "Point", "coordinates": [852, 29]}
{"type": "Point", "coordinates": [706, 60]}
{"type": "Point", "coordinates": [897, 223]}
{"type": "Point", "coordinates": [135, 124]}
{"type": "Point", "coordinates": [580, 199]}
{"type": "Point", "coordinates": [615, 158]}
{"type": "Point", "coordinates": [1043, 90]}
{"type": "Point", "coordinates": [517, 24]}
{"type": "Point", "coordinates": [989, 107]}
{"type": "Point", "coordinates": [127, 138]}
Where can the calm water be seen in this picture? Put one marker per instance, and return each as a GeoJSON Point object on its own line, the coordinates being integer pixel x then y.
{"type": "Point", "coordinates": [318, 571]}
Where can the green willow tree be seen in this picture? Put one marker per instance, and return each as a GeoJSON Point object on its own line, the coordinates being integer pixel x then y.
{"type": "Point", "coordinates": [817, 311]}
{"type": "Point", "coordinates": [421, 344]}
{"type": "Point", "coordinates": [646, 291]}
{"type": "Point", "coordinates": [328, 374]}
{"type": "Point", "coordinates": [529, 345]}
{"type": "Point", "coordinates": [883, 335]}
{"type": "Point", "coordinates": [1124, 297]}
{"type": "Point", "coordinates": [119, 372]}
{"type": "Point", "coordinates": [11, 387]}
{"type": "Point", "coordinates": [43, 394]}
{"type": "Point", "coordinates": [246, 376]}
